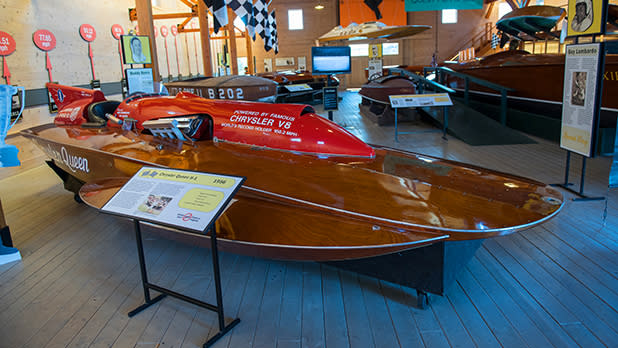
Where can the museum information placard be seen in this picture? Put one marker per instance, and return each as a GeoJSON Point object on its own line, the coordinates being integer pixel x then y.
{"type": "Point", "coordinates": [419, 100]}
{"type": "Point", "coordinates": [184, 199]}
{"type": "Point", "coordinates": [581, 98]}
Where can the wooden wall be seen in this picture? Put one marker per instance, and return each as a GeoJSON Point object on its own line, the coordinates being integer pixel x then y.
{"type": "Point", "coordinates": [70, 58]}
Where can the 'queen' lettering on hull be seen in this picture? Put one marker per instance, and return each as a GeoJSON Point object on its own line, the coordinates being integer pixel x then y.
{"type": "Point", "coordinates": [74, 163]}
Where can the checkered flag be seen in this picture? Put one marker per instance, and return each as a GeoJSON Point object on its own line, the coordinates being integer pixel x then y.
{"type": "Point", "coordinates": [260, 15]}
{"type": "Point", "coordinates": [274, 38]}
{"type": "Point", "coordinates": [244, 10]}
{"type": "Point", "coordinates": [268, 39]}
{"type": "Point", "coordinates": [219, 13]}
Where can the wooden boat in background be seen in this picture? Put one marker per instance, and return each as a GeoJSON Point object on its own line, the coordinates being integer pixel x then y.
{"type": "Point", "coordinates": [372, 31]}
{"type": "Point", "coordinates": [537, 79]}
{"type": "Point", "coordinates": [291, 77]}
{"type": "Point", "coordinates": [238, 87]}
{"type": "Point", "coordinates": [313, 190]}
{"type": "Point", "coordinates": [375, 103]}
{"type": "Point", "coordinates": [530, 20]}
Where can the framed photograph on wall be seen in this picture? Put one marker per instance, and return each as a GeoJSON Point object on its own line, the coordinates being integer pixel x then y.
{"type": "Point", "coordinates": [135, 49]}
{"type": "Point", "coordinates": [586, 17]}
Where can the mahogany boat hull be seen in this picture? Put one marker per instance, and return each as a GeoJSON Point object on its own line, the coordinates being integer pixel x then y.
{"type": "Point", "coordinates": [238, 87]}
{"type": "Point", "coordinates": [537, 81]}
{"type": "Point", "coordinates": [313, 191]}
{"type": "Point", "coordinates": [301, 207]}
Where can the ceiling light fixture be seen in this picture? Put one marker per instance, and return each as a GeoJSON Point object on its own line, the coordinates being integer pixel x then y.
{"type": "Point", "coordinates": [319, 6]}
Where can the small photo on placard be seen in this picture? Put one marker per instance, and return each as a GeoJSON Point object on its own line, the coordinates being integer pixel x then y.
{"type": "Point", "coordinates": [578, 89]}
{"type": "Point", "coordinates": [135, 49]}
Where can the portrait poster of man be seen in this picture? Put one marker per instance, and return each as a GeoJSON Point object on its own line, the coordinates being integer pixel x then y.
{"type": "Point", "coordinates": [578, 88]}
{"type": "Point", "coordinates": [135, 49]}
{"type": "Point", "coordinates": [585, 17]}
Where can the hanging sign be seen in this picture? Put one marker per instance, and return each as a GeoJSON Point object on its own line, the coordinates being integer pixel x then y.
{"type": "Point", "coordinates": [7, 46]}
{"type": "Point", "coordinates": [174, 30]}
{"type": "Point", "coordinates": [164, 33]}
{"type": "Point", "coordinates": [581, 97]}
{"type": "Point", "coordinates": [87, 32]}
{"type": "Point", "coordinates": [46, 41]}
{"type": "Point", "coordinates": [424, 5]}
{"type": "Point", "coordinates": [117, 31]}
{"type": "Point", "coordinates": [156, 31]}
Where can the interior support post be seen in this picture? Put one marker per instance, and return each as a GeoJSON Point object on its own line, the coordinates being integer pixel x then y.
{"type": "Point", "coordinates": [232, 35]}
{"type": "Point", "coordinates": [202, 14]}
{"type": "Point", "coordinates": [146, 27]}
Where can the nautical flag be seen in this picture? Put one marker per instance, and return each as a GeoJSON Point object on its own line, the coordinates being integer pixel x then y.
{"type": "Point", "coordinates": [276, 44]}
{"type": "Point", "coordinates": [268, 44]}
{"type": "Point", "coordinates": [260, 14]}
{"type": "Point", "coordinates": [244, 10]}
{"type": "Point", "coordinates": [274, 38]}
{"type": "Point", "coordinates": [219, 13]}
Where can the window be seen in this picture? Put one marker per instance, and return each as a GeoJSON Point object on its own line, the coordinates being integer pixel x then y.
{"type": "Point", "coordinates": [449, 16]}
{"type": "Point", "coordinates": [503, 9]}
{"type": "Point", "coordinates": [359, 50]}
{"type": "Point", "coordinates": [362, 50]}
{"type": "Point", "coordinates": [295, 19]}
{"type": "Point", "coordinates": [390, 49]}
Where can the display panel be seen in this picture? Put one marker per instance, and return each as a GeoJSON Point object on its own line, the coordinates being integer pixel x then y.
{"type": "Point", "coordinates": [135, 49]}
{"type": "Point", "coordinates": [331, 60]}
{"type": "Point", "coordinates": [139, 80]}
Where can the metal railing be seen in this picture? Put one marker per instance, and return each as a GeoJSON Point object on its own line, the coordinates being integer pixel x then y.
{"type": "Point", "coordinates": [441, 73]}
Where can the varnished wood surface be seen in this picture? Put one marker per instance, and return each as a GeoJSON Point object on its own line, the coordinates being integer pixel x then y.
{"type": "Point", "coordinates": [226, 87]}
{"type": "Point", "coordinates": [551, 286]}
{"type": "Point", "coordinates": [298, 234]}
{"type": "Point", "coordinates": [398, 190]}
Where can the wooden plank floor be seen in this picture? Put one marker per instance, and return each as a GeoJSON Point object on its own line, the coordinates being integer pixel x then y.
{"type": "Point", "coordinates": [554, 285]}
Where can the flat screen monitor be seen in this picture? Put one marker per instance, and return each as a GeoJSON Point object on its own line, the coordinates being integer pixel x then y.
{"type": "Point", "coordinates": [135, 49]}
{"type": "Point", "coordinates": [331, 60]}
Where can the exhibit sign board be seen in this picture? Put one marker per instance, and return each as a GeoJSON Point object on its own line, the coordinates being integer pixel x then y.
{"type": "Point", "coordinates": [420, 100]}
{"type": "Point", "coordinates": [178, 198]}
{"type": "Point", "coordinates": [583, 70]}
{"type": "Point", "coordinates": [329, 98]}
{"type": "Point", "coordinates": [424, 5]}
{"type": "Point", "coordinates": [586, 17]}
{"type": "Point", "coordinates": [139, 80]}
{"type": "Point", "coordinates": [299, 87]}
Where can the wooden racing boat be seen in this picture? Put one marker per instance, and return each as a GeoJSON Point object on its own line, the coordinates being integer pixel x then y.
{"type": "Point", "coordinates": [372, 31]}
{"type": "Point", "coordinates": [239, 87]}
{"type": "Point", "coordinates": [313, 190]}
{"type": "Point", "coordinates": [375, 103]}
{"type": "Point", "coordinates": [530, 20]}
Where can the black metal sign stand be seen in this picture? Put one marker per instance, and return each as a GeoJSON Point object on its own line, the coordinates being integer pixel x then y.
{"type": "Point", "coordinates": [148, 301]}
{"type": "Point", "coordinates": [566, 183]}
{"type": "Point", "coordinates": [444, 126]}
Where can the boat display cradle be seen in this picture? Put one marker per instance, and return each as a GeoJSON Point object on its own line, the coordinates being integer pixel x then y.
{"type": "Point", "coordinates": [90, 197]}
